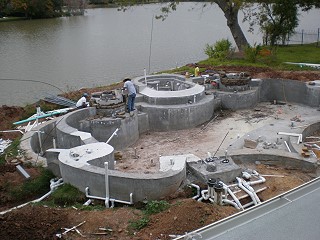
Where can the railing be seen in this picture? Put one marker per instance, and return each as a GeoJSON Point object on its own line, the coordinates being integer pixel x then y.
{"type": "Point", "coordinates": [304, 37]}
{"type": "Point", "coordinates": [300, 36]}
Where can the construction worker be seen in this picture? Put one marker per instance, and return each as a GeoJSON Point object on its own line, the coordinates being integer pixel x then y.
{"type": "Point", "coordinates": [82, 102]}
{"type": "Point", "coordinates": [128, 85]}
{"type": "Point", "coordinates": [196, 71]}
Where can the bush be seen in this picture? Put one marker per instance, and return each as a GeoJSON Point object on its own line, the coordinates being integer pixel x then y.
{"type": "Point", "coordinates": [252, 53]}
{"type": "Point", "coordinates": [154, 207]}
{"type": "Point", "coordinates": [67, 195]}
{"type": "Point", "coordinates": [260, 53]}
{"type": "Point", "coordinates": [220, 50]}
{"type": "Point", "coordinates": [139, 224]}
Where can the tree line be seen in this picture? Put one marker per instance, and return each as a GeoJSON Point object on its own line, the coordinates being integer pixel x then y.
{"type": "Point", "coordinates": [41, 8]}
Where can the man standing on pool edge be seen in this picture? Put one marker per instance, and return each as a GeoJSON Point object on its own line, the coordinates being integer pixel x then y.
{"type": "Point", "coordinates": [128, 85]}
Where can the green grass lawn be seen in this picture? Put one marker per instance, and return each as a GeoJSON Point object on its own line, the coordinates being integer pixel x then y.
{"type": "Point", "coordinates": [308, 53]}
{"type": "Point", "coordinates": [299, 53]}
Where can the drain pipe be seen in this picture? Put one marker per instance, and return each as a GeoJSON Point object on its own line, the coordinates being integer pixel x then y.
{"type": "Point", "coordinates": [285, 142]}
{"type": "Point", "coordinates": [53, 186]}
{"type": "Point", "coordinates": [247, 191]}
{"type": "Point", "coordinates": [236, 200]}
{"type": "Point", "coordinates": [226, 201]}
{"type": "Point", "coordinates": [198, 190]}
{"type": "Point", "coordinates": [261, 180]}
{"type": "Point", "coordinates": [106, 165]}
{"type": "Point", "coordinates": [112, 200]}
{"type": "Point", "coordinates": [114, 133]}
{"type": "Point", "coordinates": [257, 191]}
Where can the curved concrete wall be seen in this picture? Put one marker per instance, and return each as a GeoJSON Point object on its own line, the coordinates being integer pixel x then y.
{"type": "Point", "coordinates": [275, 158]}
{"type": "Point", "coordinates": [143, 186]}
{"type": "Point", "coordinates": [67, 135]}
{"type": "Point", "coordinates": [102, 129]}
{"type": "Point", "coordinates": [290, 91]}
{"type": "Point", "coordinates": [175, 117]}
{"type": "Point", "coordinates": [310, 130]}
{"type": "Point", "coordinates": [239, 100]}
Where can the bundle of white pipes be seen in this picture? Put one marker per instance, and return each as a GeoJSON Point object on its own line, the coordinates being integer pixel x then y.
{"type": "Point", "coordinates": [221, 194]}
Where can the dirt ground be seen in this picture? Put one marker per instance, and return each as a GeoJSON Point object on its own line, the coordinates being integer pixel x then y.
{"type": "Point", "coordinates": [184, 214]}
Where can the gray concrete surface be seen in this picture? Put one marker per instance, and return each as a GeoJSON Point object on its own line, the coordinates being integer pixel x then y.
{"type": "Point", "coordinates": [72, 131]}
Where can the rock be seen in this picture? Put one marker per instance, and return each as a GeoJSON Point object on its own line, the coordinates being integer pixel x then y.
{"type": "Point", "coordinates": [248, 143]}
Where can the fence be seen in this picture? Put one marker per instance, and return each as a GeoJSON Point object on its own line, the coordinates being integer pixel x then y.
{"type": "Point", "coordinates": [304, 37]}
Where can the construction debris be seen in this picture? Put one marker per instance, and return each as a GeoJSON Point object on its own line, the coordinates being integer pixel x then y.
{"type": "Point", "coordinates": [4, 144]}
{"type": "Point", "coordinates": [59, 235]}
{"type": "Point", "coordinates": [22, 171]}
{"type": "Point", "coordinates": [60, 101]}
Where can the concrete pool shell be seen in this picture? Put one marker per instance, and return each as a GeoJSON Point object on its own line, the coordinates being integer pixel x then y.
{"type": "Point", "coordinates": [72, 135]}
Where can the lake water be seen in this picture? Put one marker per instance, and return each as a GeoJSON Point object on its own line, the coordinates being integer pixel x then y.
{"type": "Point", "coordinates": [105, 46]}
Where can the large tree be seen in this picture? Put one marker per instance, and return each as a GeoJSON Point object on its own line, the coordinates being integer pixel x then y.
{"type": "Point", "coordinates": [230, 9]}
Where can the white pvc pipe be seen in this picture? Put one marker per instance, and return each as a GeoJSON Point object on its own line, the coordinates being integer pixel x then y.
{"type": "Point", "coordinates": [248, 204]}
{"type": "Point", "coordinates": [106, 164]}
{"type": "Point", "coordinates": [257, 191]}
{"type": "Point", "coordinates": [198, 190]}
{"type": "Point", "coordinates": [285, 142]}
{"type": "Point", "coordinates": [236, 200]}
{"type": "Point", "coordinates": [88, 202]}
{"type": "Point", "coordinates": [8, 131]}
{"type": "Point", "coordinates": [293, 135]}
{"type": "Point", "coordinates": [261, 180]}
{"type": "Point", "coordinates": [114, 133]}
{"type": "Point", "coordinates": [110, 199]}
{"type": "Point", "coordinates": [247, 186]}
{"type": "Point", "coordinates": [204, 194]}
{"type": "Point", "coordinates": [247, 191]}
{"type": "Point", "coordinates": [145, 75]}
{"type": "Point", "coordinates": [53, 186]}
{"type": "Point", "coordinates": [226, 201]}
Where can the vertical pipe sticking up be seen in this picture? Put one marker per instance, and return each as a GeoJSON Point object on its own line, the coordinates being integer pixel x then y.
{"type": "Point", "coordinates": [107, 184]}
{"type": "Point", "coordinates": [39, 134]}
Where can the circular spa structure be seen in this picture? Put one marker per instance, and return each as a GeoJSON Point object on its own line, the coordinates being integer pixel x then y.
{"type": "Point", "coordinates": [172, 102]}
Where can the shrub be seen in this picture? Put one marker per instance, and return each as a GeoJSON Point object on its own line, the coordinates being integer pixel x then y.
{"type": "Point", "coordinates": [252, 53]}
{"type": "Point", "coordinates": [139, 224]}
{"type": "Point", "coordinates": [67, 195]}
{"type": "Point", "coordinates": [154, 207]}
{"type": "Point", "coordinates": [220, 50]}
